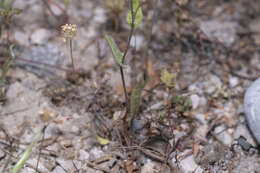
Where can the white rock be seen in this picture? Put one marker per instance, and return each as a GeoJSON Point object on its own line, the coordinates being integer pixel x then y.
{"type": "Point", "coordinates": [201, 118]}
{"type": "Point", "coordinates": [201, 132]}
{"type": "Point", "coordinates": [57, 11]}
{"type": "Point", "coordinates": [212, 83]}
{"type": "Point", "coordinates": [156, 106]}
{"type": "Point", "coordinates": [21, 37]}
{"type": "Point", "coordinates": [188, 165]}
{"type": "Point", "coordinates": [203, 101]}
{"type": "Point", "coordinates": [224, 31]}
{"type": "Point", "coordinates": [99, 15]}
{"type": "Point", "coordinates": [233, 81]}
{"type": "Point", "coordinates": [40, 36]}
{"type": "Point", "coordinates": [196, 88]}
{"type": "Point", "coordinates": [2, 154]}
{"type": "Point", "coordinates": [58, 169]}
{"type": "Point", "coordinates": [83, 155]}
{"type": "Point", "coordinates": [195, 99]}
{"type": "Point", "coordinates": [97, 153]}
{"type": "Point", "coordinates": [14, 90]}
{"type": "Point", "coordinates": [137, 42]}
{"type": "Point", "coordinates": [252, 108]}
{"type": "Point", "coordinates": [242, 130]}
{"type": "Point", "coordinates": [149, 167]}
{"type": "Point", "coordinates": [222, 135]}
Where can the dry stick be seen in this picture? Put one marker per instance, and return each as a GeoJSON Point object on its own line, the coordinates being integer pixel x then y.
{"type": "Point", "coordinates": [10, 140]}
{"type": "Point", "coordinates": [48, 7]}
{"type": "Point", "coordinates": [44, 64]}
{"type": "Point", "coordinates": [149, 36]}
{"type": "Point", "coordinates": [57, 5]}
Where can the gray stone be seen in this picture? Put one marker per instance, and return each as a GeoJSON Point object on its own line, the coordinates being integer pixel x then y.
{"type": "Point", "coordinates": [149, 167]}
{"type": "Point", "coordinates": [21, 37]}
{"type": "Point", "coordinates": [247, 164]}
{"type": "Point", "coordinates": [242, 130]}
{"type": "Point", "coordinates": [195, 99]}
{"type": "Point", "coordinates": [138, 124]}
{"type": "Point", "coordinates": [222, 135]}
{"type": "Point", "coordinates": [210, 154]}
{"type": "Point", "coordinates": [40, 36]}
{"type": "Point", "coordinates": [37, 58]}
{"type": "Point", "coordinates": [137, 42]}
{"type": "Point", "coordinates": [201, 118]}
{"type": "Point", "coordinates": [211, 84]}
{"type": "Point", "coordinates": [188, 165]}
{"type": "Point", "coordinates": [252, 108]}
{"type": "Point", "coordinates": [233, 81]}
{"type": "Point", "coordinates": [224, 31]}
{"type": "Point", "coordinates": [156, 106]}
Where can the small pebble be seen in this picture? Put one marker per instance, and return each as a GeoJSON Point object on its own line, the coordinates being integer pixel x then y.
{"type": "Point", "coordinates": [66, 143]}
{"type": "Point", "coordinates": [195, 99]}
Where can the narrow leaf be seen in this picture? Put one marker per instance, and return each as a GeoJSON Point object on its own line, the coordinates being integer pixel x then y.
{"type": "Point", "coordinates": [7, 64]}
{"type": "Point", "coordinates": [26, 154]}
{"type": "Point", "coordinates": [117, 54]}
{"type": "Point", "coordinates": [135, 99]}
{"type": "Point", "coordinates": [137, 14]}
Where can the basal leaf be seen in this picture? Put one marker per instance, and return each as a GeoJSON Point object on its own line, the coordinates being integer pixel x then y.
{"type": "Point", "coordinates": [137, 13]}
{"type": "Point", "coordinates": [117, 54]}
{"type": "Point", "coordinates": [7, 63]}
{"type": "Point", "coordinates": [135, 99]}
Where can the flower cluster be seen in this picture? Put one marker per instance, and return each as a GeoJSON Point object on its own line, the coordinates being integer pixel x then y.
{"type": "Point", "coordinates": [69, 30]}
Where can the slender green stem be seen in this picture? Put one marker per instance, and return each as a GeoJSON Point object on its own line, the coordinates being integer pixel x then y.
{"type": "Point", "coordinates": [124, 55]}
{"type": "Point", "coordinates": [71, 55]}
{"type": "Point", "coordinates": [124, 86]}
{"type": "Point", "coordinates": [7, 64]}
{"type": "Point", "coordinates": [131, 31]}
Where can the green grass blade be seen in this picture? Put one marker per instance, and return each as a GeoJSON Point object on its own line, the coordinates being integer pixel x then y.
{"type": "Point", "coordinates": [7, 64]}
{"type": "Point", "coordinates": [26, 154]}
{"type": "Point", "coordinates": [137, 13]}
{"type": "Point", "coordinates": [117, 54]}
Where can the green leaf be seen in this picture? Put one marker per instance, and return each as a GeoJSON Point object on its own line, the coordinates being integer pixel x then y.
{"type": "Point", "coordinates": [117, 54]}
{"type": "Point", "coordinates": [26, 154]}
{"type": "Point", "coordinates": [168, 78]}
{"type": "Point", "coordinates": [135, 99]}
{"type": "Point", "coordinates": [7, 4]}
{"type": "Point", "coordinates": [137, 13]}
{"type": "Point", "coordinates": [102, 141]}
{"type": "Point", "coordinates": [66, 2]}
